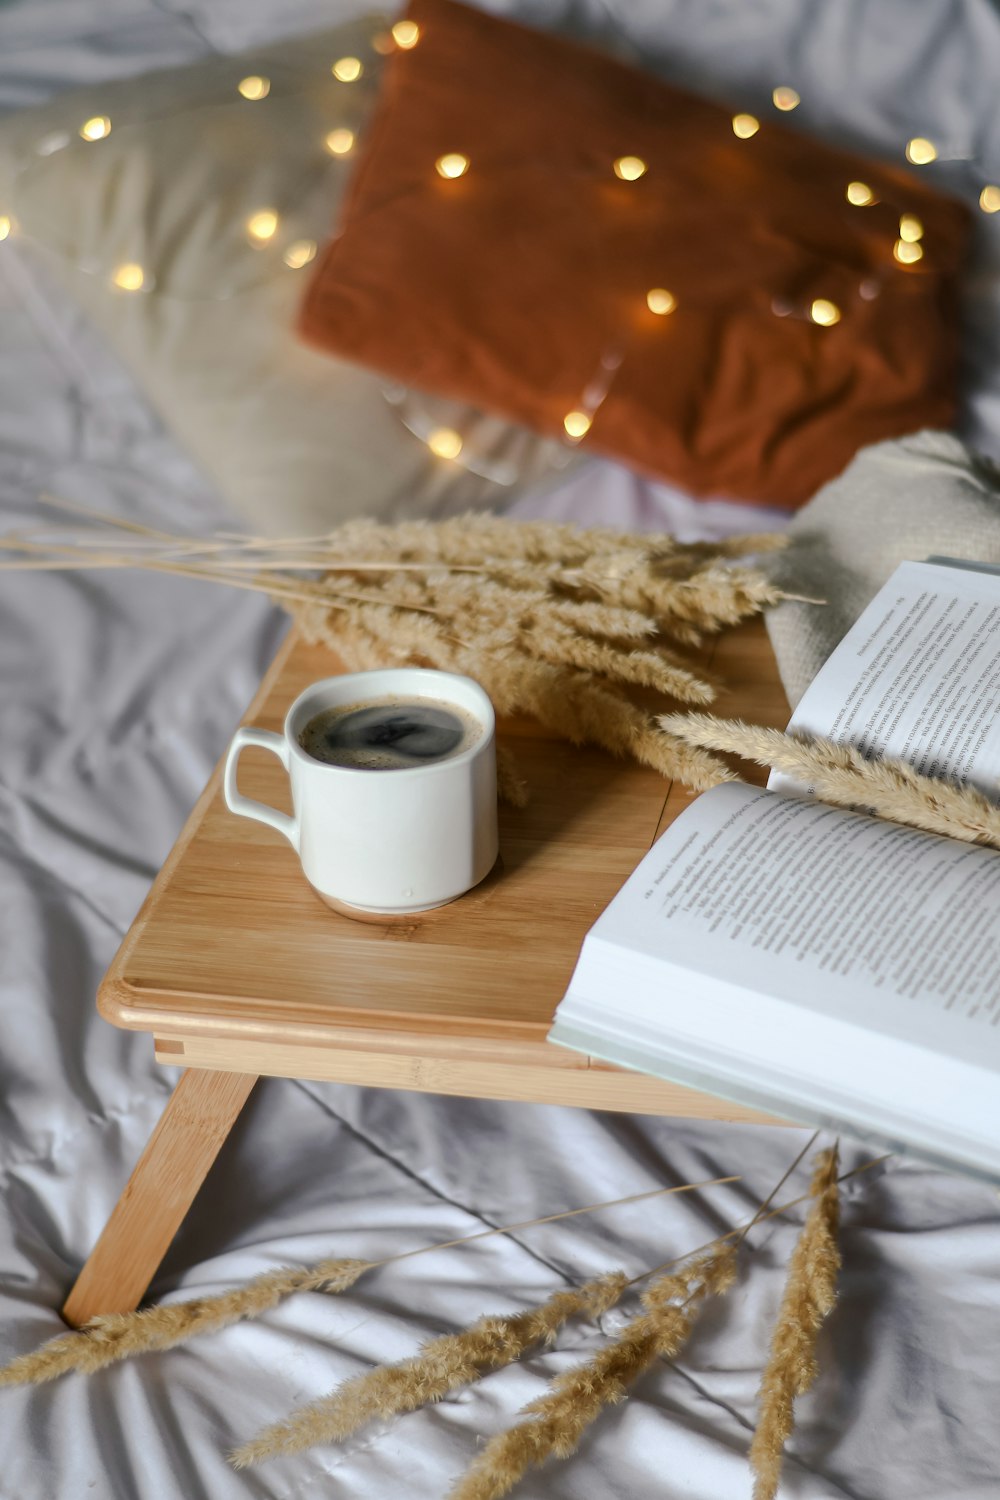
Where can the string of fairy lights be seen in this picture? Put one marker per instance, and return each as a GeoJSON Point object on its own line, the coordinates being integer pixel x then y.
{"type": "Point", "coordinates": [262, 224]}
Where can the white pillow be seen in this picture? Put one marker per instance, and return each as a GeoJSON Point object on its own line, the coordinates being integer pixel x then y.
{"type": "Point", "coordinates": [182, 162]}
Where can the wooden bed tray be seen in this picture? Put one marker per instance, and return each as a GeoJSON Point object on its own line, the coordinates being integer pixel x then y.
{"type": "Point", "coordinates": [238, 970]}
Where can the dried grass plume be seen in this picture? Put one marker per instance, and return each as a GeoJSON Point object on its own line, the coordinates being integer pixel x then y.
{"type": "Point", "coordinates": [840, 774]}
{"type": "Point", "coordinates": [557, 623]}
{"type": "Point", "coordinates": [112, 1337]}
{"type": "Point", "coordinates": [555, 1423]}
{"type": "Point", "coordinates": [809, 1296]}
{"type": "Point", "coordinates": [444, 1365]}
{"type": "Point", "coordinates": [115, 1336]}
{"type": "Point", "coordinates": [568, 625]}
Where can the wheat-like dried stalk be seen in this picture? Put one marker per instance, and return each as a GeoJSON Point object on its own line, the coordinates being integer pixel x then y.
{"type": "Point", "coordinates": [573, 703]}
{"type": "Point", "coordinates": [670, 1302]}
{"type": "Point", "coordinates": [654, 669]}
{"type": "Point", "coordinates": [556, 1422]}
{"type": "Point", "coordinates": [840, 774]}
{"type": "Point", "coordinates": [444, 1365]}
{"type": "Point", "coordinates": [810, 1292]}
{"type": "Point", "coordinates": [550, 625]}
{"type": "Point", "coordinates": [532, 542]}
{"type": "Point", "coordinates": [109, 1338]}
{"type": "Point", "coordinates": [710, 598]}
{"type": "Point", "coordinates": [554, 621]}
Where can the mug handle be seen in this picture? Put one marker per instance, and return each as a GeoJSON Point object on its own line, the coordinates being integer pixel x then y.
{"type": "Point", "coordinates": [246, 807]}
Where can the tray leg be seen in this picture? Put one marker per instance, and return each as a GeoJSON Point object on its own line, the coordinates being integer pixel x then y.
{"type": "Point", "coordinates": [199, 1115]}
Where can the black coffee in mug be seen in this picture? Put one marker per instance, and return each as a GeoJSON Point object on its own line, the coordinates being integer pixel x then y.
{"type": "Point", "coordinates": [391, 734]}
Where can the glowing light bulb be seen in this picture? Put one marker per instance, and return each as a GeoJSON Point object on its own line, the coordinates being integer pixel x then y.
{"type": "Point", "coordinates": [576, 423]}
{"type": "Point", "coordinates": [907, 252]}
{"type": "Point", "coordinates": [989, 199]}
{"type": "Point", "coordinates": [347, 69]}
{"type": "Point", "coordinates": [452, 164]}
{"type": "Point", "coordinates": [6, 225]}
{"type": "Point", "coordinates": [744, 126]}
{"type": "Point", "coordinates": [860, 194]}
{"type": "Point", "coordinates": [339, 142]}
{"type": "Point", "coordinates": [630, 168]}
{"type": "Point", "coordinates": [660, 301]}
{"type": "Point", "coordinates": [910, 229]}
{"type": "Point", "coordinates": [444, 442]}
{"type": "Point", "coordinates": [262, 225]}
{"type": "Point", "coordinates": [824, 312]}
{"type": "Point", "coordinates": [920, 151]}
{"type": "Point", "coordinates": [254, 87]}
{"type": "Point", "coordinates": [406, 34]}
{"type": "Point", "coordinates": [129, 277]}
{"type": "Point", "coordinates": [786, 98]}
{"type": "Point", "coordinates": [96, 128]}
{"type": "Point", "coordinates": [300, 254]}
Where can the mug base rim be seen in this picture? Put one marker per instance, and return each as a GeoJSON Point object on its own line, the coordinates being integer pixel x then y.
{"type": "Point", "coordinates": [381, 913]}
{"type": "Point", "coordinates": [396, 913]}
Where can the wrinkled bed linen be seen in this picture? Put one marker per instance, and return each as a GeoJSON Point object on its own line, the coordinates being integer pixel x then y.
{"type": "Point", "coordinates": [119, 692]}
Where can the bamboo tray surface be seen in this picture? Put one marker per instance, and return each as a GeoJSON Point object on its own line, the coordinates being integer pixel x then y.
{"type": "Point", "coordinates": [233, 961]}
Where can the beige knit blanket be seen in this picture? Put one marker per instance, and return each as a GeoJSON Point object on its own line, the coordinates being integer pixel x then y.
{"type": "Point", "coordinates": [912, 498]}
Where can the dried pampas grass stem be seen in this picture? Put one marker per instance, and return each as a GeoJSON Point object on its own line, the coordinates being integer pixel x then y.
{"type": "Point", "coordinates": [565, 624]}
{"type": "Point", "coordinates": [107, 1339]}
{"type": "Point", "coordinates": [840, 774]}
{"type": "Point", "coordinates": [809, 1296]}
{"type": "Point", "coordinates": [443, 1366]}
{"type": "Point", "coordinates": [555, 1423]}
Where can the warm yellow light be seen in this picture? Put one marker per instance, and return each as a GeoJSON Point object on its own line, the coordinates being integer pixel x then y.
{"type": "Point", "coordinates": [860, 194]}
{"type": "Point", "coordinates": [920, 151]}
{"type": "Point", "coordinates": [347, 69]}
{"type": "Point", "coordinates": [444, 442]}
{"type": "Point", "coordinates": [254, 87]}
{"type": "Point", "coordinates": [576, 423]}
{"type": "Point", "coordinates": [910, 229]}
{"type": "Point", "coordinates": [745, 126]}
{"type": "Point", "coordinates": [452, 164]}
{"type": "Point", "coordinates": [262, 225]}
{"type": "Point", "coordinates": [786, 98]}
{"type": "Point", "coordinates": [630, 168]}
{"type": "Point", "coordinates": [5, 226]}
{"type": "Point", "coordinates": [660, 301]}
{"type": "Point", "coordinates": [339, 142]}
{"type": "Point", "coordinates": [824, 312]}
{"type": "Point", "coordinates": [406, 34]}
{"type": "Point", "coordinates": [907, 252]}
{"type": "Point", "coordinates": [300, 254]}
{"type": "Point", "coordinates": [96, 129]}
{"type": "Point", "coordinates": [129, 277]}
{"type": "Point", "coordinates": [989, 199]}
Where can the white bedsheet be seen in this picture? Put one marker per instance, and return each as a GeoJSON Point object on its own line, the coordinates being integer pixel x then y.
{"type": "Point", "coordinates": [119, 692]}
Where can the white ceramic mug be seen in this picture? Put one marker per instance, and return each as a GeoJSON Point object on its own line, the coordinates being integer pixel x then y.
{"type": "Point", "coordinates": [383, 841]}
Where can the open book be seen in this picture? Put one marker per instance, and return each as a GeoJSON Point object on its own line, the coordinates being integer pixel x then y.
{"type": "Point", "coordinates": [824, 965]}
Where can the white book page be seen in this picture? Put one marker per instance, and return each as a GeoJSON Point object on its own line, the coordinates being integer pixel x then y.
{"type": "Point", "coordinates": [917, 677]}
{"type": "Point", "coordinates": [829, 966]}
{"type": "Point", "coordinates": [888, 928]}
